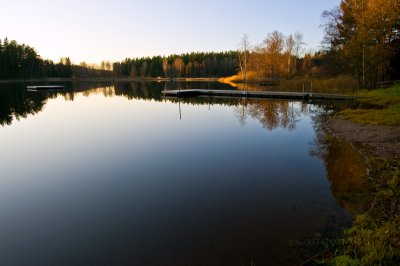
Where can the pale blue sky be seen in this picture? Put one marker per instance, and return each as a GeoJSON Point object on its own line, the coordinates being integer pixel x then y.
{"type": "Point", "coordinates": [95, 30]}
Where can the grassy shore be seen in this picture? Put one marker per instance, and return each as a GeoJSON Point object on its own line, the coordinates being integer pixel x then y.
{"type": "Point", "coordinates": [374, 238]}
{"type": "Point", "coordinates": [384, 108]}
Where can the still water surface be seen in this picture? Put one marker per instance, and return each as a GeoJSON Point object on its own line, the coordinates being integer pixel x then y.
{"type": "Point", "coordinates": [117, 175]}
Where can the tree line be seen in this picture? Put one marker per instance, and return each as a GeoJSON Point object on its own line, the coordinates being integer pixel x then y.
{"type": "Point", "coordinates": [278, 56]}
{"type": "Point", "coordinates": [189, 65]}
{"type": "Point", "coordinates": [20, 61]}
{"type": "Point", "coordinates": [362, 37]}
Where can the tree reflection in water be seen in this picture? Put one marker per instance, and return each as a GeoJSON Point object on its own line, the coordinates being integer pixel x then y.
{"type": "Point", "coordinates": [346, 169]}
{"type": "Point", "coordinates": [270, 113]}
{"type": "Point", "coordinates": [16, 102]}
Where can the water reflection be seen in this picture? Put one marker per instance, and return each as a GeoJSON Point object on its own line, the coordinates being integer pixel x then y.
{"type": "Point", "coordinates": [128, 183]}
{"type": "Point", "coordinates": [271, 113]}
{"type": "Point", "coordinates": [16, 102]}
{"type": "Point", "coordinates": [346, 171]}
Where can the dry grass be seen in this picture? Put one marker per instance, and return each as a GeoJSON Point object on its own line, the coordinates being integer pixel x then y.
{"type": "Point", "coordinates": [339, 85]}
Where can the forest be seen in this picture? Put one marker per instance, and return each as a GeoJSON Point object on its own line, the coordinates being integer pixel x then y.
{"type": "Point", "coordinates": [362, 40]}
{"type": "Point", "coordinates": [20, 61]}
{"type": "Point", "coordinates": [189, 65]}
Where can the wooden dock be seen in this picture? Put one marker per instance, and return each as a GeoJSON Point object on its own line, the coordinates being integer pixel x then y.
{"type": "Point", "coordinates": [257, 94]}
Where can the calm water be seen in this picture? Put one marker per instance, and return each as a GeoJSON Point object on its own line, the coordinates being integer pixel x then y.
{"type": "Point", "coordinates": [117, 175]}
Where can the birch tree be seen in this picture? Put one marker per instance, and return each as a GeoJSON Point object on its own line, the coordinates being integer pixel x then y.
{"type": "Point", "coordinates": [243, 56]}
{"type": "Point", "coordinates": [290, 44]}
{"type": "Point", "coordinates": [256, 60]}
{"type": "Point", "coordinates": [298, 46]}
{"type": "Point", "coordinates": [165, 66]}
{"type": "Point", "coordinates": [365, 33]}
{"type": "Point", "coordinates": [178, 66]}
{"type": "Point", "coordinates": [273, 48]}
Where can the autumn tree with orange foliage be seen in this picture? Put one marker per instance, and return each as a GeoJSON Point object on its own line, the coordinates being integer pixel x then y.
{"type": "Point", "coordinates": [274, 58]}
{"type": "Point", "coordinates": [366, 35]}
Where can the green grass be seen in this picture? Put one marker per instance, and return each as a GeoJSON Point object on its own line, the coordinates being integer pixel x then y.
{"type": "Point", "coordinates": [382, 97]}
{"type": "Point", "coordinates": [389, 116]}
{"type": "Point", "coordinates": [386, 111]}
{"type": "Point", "coordinates": [374, 238]}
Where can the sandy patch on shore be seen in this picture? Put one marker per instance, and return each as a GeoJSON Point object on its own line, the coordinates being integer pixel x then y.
{"type": "Point", "coordinates": [382, 141]}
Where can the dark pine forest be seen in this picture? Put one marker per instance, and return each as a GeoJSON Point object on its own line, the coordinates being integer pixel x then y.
{"type": "Point", "coordinates": [20, 61]}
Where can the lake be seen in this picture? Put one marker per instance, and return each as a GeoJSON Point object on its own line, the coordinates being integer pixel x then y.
{"type": "Point", "coordinates": [115, 174]}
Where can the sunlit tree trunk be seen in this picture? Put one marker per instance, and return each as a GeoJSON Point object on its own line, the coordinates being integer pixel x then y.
{"type": "Point", "coordinates": [298, 47]}
{"type": "Point", "coordinates": [273, 48]}
{"type": "Point", "coordinates": [178, 66]}
{"type": "Point", "coordinates": [243, 56]}
{"type": "Point", "coordinates": [290, 43]}
{"type": "Point", "coordinates": [165, 66]}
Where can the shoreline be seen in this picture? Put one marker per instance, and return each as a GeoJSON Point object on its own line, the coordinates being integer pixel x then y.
{"type": "Point", "coordinates": [372, 140]}
{"type": "Point", "coordinates": [379, 145]}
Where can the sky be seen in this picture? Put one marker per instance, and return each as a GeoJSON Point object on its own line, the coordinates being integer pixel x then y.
{"type": "Point", "coordinates": [92, 31]}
